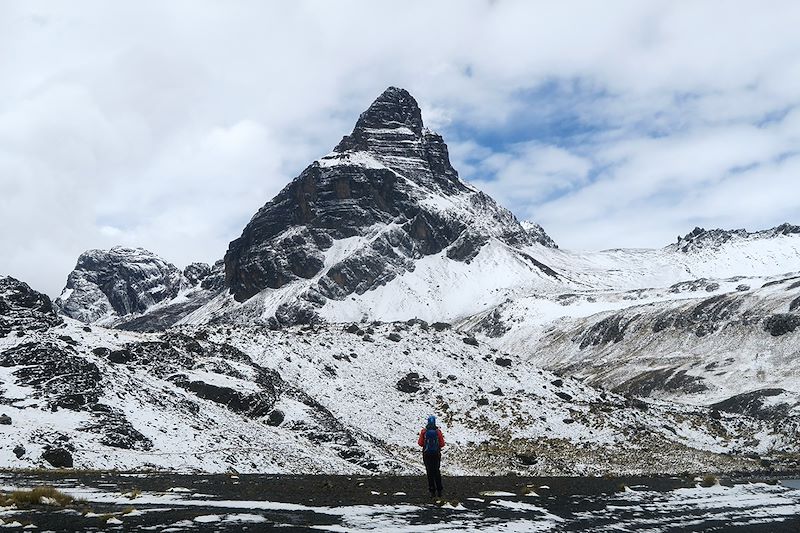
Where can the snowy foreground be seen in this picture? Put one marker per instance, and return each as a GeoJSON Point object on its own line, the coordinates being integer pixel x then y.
{"type": "Point", "coordinates": [336, 399]}
{"type": "Point", "coordinates": [234, 503]}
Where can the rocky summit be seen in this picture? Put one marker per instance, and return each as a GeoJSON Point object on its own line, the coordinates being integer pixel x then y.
{"type": "Point", "coordinates": [389, 181]}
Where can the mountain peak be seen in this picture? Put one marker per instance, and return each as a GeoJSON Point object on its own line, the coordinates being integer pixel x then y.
{"type": "Point", "coordinates": [538, 234]}
{"type": "Point", "coordinates": [394, 113]}
{"type": "Point", "coordinates": [394, 108]}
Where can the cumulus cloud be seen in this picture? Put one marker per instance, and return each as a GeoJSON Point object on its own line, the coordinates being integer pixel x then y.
{"type": "Point", "coordinates": [166, 125]}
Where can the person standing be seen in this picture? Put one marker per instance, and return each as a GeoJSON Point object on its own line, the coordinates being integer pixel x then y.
{"type": "Point", "coordinates": [432, 442]}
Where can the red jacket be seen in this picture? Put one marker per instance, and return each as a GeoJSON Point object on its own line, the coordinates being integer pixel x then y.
{"type": "Point", "coordinates": [421, 440]}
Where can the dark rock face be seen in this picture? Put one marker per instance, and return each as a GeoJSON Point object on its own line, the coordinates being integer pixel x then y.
{"type": "Point", "coordinates": [472, 341]}
{"type": "Point", "coordinates": [116, 430]}
{"type": "Point", "coordinates": [120, 281]}
{"type": "Point", "coordinates": [667, 379]}
{"type": "Point", "coordinates": [389, 173]}
{"type": "Point", "coordinates": [58, 457]}
{"type": "Point", "coordinates": [63, 378]}
{"type": "Point", "coordinates": [694, 285]}
{"type": "Point", "coordinates": [196, 272]}
{"type": "Point", "coordinates": [215, 280]}
{"type": "Point", "coordinates": [756, 404]}
{"type": "Point", "coordinates": [24, 309]}
{"type": "Point", "coordinates": [564, 396]}
{"type": "Point", "coordinates": [5, 420]}
{"type": "Point", "coordinates": [781, 324]}
{"type": "Point", "coordinates": [253, 405]}
{"type": "Point", "coordinates": [610, 329]}
{"type": "Point", "coordinates": [492, 325]}
{"type": "Point", "coordinates": [704, 318]}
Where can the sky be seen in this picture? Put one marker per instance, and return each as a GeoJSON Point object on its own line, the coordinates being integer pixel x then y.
{"type": "Point", "coordinates": [166, 125]}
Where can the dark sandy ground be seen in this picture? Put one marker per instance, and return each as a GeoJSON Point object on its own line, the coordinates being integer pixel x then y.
{"type": "Point", "coordinates": [168, 502]}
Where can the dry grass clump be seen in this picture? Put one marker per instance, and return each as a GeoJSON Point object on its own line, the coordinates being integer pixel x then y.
{"type": "Point", "coordinates": [709, 480]}
{"type": "Point", "coordinates": [36, 496]}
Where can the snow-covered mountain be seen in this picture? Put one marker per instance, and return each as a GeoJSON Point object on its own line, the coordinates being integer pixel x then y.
{"type": "Point", "coordinates": [701, 321]}
{"type": "Point", "coordinates": [326, 330]}
{"type": "Point", "coordinates": [382, 227]}
{"type": "Point", "coordinates": [382, 222]}
{"type": "Point", "coordinates": [332, 398]}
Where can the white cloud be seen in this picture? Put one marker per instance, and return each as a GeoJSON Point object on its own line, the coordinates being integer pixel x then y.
{"type": "Point", "coordinates": [166, 125]}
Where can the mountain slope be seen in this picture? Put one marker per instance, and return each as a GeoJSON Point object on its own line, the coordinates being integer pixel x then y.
{"type": "Point", "coordinates": [334, 399]}
{"type": "Point", "coordinates": [698, 322]}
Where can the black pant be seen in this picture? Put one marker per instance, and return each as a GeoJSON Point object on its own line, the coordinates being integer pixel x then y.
{"type": "Point", "coordinates": [432, 462]}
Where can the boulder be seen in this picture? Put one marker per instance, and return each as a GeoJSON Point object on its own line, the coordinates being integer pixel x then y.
{"type": "Point", "coordinates": [5, 420]}
{"type": "Point", "coordinates": [564, 396]}
{"type": "Point", "coordinates": [58, 457]}
{"type": "Point", "coordinates": [410, 383]}
{"type": "Point", "coordinates": [275, 418]}
{"type": "Point", "coordinates": [781, 324]}
{"type": "Point", "coordinates": [120, 356]}
{"type": "Point", "coordinates": [472, 341]}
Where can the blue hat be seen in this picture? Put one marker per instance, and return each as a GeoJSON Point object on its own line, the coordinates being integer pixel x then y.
{"type": "Point", "coordinates": [432, 420]}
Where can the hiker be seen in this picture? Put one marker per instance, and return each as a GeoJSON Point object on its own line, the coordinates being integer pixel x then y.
{"type": "Point", "coordinates": [432, 442]}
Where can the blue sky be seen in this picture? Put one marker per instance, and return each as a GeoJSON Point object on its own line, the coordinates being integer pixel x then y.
{"type": "Point", "coordinates": [613, 124]}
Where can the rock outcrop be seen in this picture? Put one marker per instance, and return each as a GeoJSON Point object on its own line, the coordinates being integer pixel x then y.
{"type": "Point", "coordinates": [702, 238]}
{"type": "Point", "coordinates": [117, 282]}
{"type": "Point", "coordinates": [23, 309]}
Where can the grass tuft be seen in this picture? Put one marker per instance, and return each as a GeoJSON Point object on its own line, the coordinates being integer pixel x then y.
{"type": "Point", "coordinates": [709, 480]}
{"type": "Point", "coordinates": [36, 496]}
